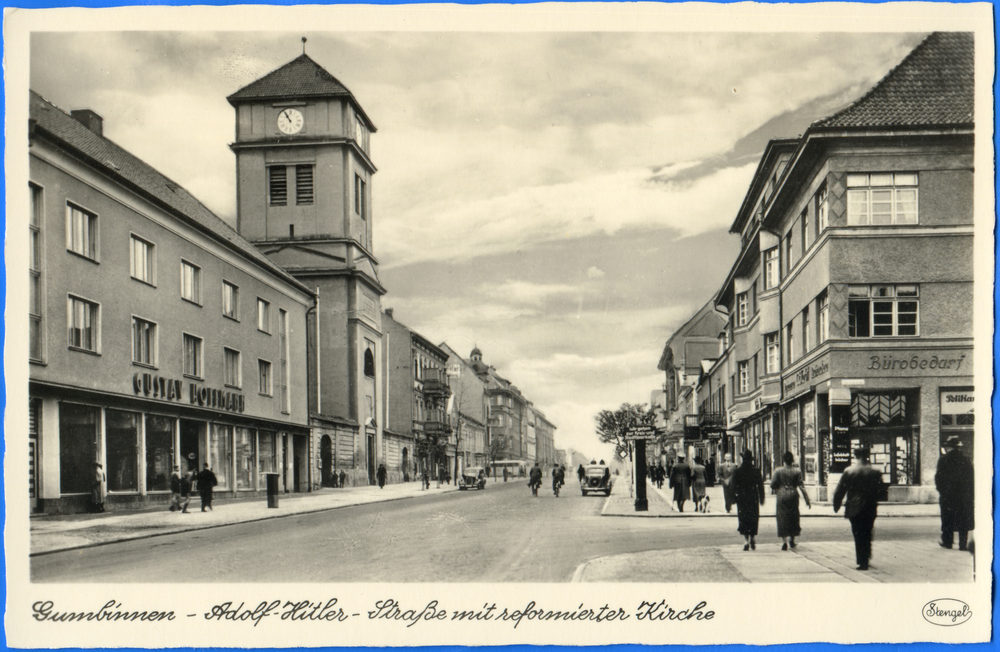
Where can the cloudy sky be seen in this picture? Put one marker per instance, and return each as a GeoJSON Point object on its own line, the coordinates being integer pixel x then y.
{"type": "Point", "coordinates": [561, 200]}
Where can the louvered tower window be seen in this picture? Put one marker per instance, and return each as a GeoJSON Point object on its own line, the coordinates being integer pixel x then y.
{"type": "Point", "coordinates": [303, 184]}
{"type": "Point", "coordinates": [278, 186]}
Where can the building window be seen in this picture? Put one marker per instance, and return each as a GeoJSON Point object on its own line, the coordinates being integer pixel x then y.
{"type": "Point", "coordinates": [264, 377]}
{"type": "Point", "coordinates": [359, 196]}
{"type": "Point", "coordinates": [230, 300]}
{"type": "Point", "coordinates": [263, 315]}
{"type": "Point", "coordinates": [143, 342]}
{"type": "Point", "coordinates": [81, 231]}
{"type": "Point", "coordinates": [360, 133]}
{"type": "Point", "coordinates": [772, 268]}
{"type": "Point", "coordinates": [283, 360]}
{"type": "Point", "coordinates": [190, 282]}
{"type": "Point", "coordinates": [193, 356]}
{"type": "Point", "coordinates": [824, 317]}
{"type": "Point", "coordinates": [742, 309]}
{"type": "Point", "coordinates": [807, 338]}
{"type": "Point", "coordinates": [278, 185]}
{"type": "Point", "coordinates": [789, 262]}
{"type": "Point", "coordinates": [790, 343]}
{"type": "Point", "coordinates": [807, 235]}
{"type": "Point", "coordinates": [83, 319]}
{"type": "Point", "coordinates": [874, 199]}
{"type": "Point", "coordinates": [143, 259]}
{"type": "Point", "coordinates": [822, 210]}
{"type": "Point", "coordinates": [303, 184]}
{"type": "Point", "coordinates": [773, 348]}
{"type": "Point", "coordinates": [35, 275]}
{"type": "Point", "coordinates": [233, 373]}
{"type": "Point", "coordinates": [743, 373]}
{"type": "Point", "coordinates": [883, 310]}
{"type": "Point", "coordinates": [369, 358]}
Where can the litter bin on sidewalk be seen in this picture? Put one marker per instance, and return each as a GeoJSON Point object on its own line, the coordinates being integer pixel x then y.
{"type": "Point", "coordinates": [272, 489]}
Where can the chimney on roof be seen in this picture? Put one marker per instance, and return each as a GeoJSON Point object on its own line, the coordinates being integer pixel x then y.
{"type": "Point", "coordinates": [89, 119]}
{"type": "Point", "coordinates": [388, 311]}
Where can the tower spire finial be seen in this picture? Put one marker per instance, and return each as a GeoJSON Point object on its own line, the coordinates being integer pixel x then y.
{"type": "Point", "coordinates": [303, 45]}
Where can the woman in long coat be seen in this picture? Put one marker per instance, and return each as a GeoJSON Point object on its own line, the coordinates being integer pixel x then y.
{"type": "Point", "coordinates": [698, 484]}
{"type": "Point", "coordinates": [787, 483]}
{"type": "Point", "coordinates": [680, 482]}
{"type": "Point", "coordinates": [748, 492]}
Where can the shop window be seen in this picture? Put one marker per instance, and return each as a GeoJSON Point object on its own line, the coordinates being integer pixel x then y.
{"type": "Point", "coordinates": [883, 310]}
{"type": "Point", "coordinates": [35, 275]}
{"type": "Point", "coordinates": [159, 452]}
{"type": "Point", "coordinates": [81, 232]}
{"type": "Point", "coordinates": [278, 185]}
{"type": "Point", "coordinates": [219, 446]}
{"type": "Point", "coordinates": [266, 456]}
{"type": "Point", "coordinates": [245, 459]}
{"type": "Point", "coordinates": [878, 410]}
{"type": "Point", "coordinates": [230, 300]}
{"type": "Point", "coordinates": [143, 342]}
{"type": "Point", "coordinates": [83, 324]}
{"type": "Point", "coordinates": [190, 282]}
{"type": "Point", "coordinates": [121, 437]}
{"type": "Point", "coordinates": [877, 199]}
{"type": "Point", "coordinates": [142, 260]}
{"type": "Point", "coordinates": [79, 429]}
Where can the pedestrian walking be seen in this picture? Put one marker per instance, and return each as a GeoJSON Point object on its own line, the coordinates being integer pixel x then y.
{"type": "Point", "coordinates": [535, 479]}
{"type": "Point", "coordinates": [98, 489]}
{"type": "Point", "coordinates": [698, 484]}
{"type": "Point", "coordinates": [786, 484]}
{"type": "Point", "coordinates": [380, 474]}
{"type": "Point", "coordinates": [862, 486]}
{"type": "Point", "coordinates": [505, 474]}
{"type": "Point", "coordinates": [580, 473]}
{"type": "Point", "coordinates": [175, 490]}
{"type": "Point", "coordinates": [661, 475]}
{"type": "Point", "coordinates": [748, 493]}
{"type": "Point", "coordinates": [343, 478]}
{"type": "Point", "coordinates": [680, 482]}
{"type": "Point", "coordinates": [186, 481]}
{"type": "Point", "coordinates": [206, 485]}
{"type": "Point", "coordinates": [726, 470]}
{"type": "Point", "coordinates": [955, 484]}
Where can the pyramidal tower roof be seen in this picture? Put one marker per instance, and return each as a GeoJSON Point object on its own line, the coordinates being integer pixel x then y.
{"type": "Point", "coordinates": [932, 87]}
{"type": "Point", "coordinates": [300, 78]}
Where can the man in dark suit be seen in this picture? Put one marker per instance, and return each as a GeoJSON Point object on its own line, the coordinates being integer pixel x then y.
{"type": "Point", "coordinates": [862, 485]}
{"type": "Point", "coordinates": [954, 481]}
{"type": "Point", "coordinates": [680, 482]}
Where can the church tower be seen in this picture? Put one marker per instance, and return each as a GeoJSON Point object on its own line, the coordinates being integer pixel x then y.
{"type": "Point", "coordinates": [303, 179]}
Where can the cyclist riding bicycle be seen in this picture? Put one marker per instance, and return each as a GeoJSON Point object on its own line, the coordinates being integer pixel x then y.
{"type": "Point", "coordinates": [558, 479]}
{"type": "Point", "coordinates": [535, 479]}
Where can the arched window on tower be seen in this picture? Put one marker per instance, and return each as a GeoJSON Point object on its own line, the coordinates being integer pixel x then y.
{"type": "Point", "coordinates": [369, 359]}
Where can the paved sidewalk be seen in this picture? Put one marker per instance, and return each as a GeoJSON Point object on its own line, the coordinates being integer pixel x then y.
{"type": "Point", "coordinates": [66, 532]}
{"type": "Point", "coordinates": [828, 562]}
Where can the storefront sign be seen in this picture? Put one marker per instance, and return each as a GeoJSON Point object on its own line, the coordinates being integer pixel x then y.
{"type": "Point", "coordinates": [170, 389]}
{"type": "Point", "coordinates": [957, 402]}
{"type": "Point", "coordinates": [807, 376]}
{"type": "Point", "coordinates": [916, 361]}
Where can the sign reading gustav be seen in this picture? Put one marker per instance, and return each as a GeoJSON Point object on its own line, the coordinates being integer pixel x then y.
{"type": "Point", "coordinates": [171, 389]}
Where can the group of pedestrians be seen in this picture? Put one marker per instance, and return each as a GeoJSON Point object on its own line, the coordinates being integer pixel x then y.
{"type": "Point", "coordinates": [181, 484]}
{"type": "Point", "coordinates": [689, 483]}
{"type": "Point", "coordinates": [858, 491]}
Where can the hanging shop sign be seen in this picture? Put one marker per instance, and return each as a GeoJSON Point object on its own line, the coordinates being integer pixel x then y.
{"type": "Point", "coordinates": [958, 402]}
{"type": "Point", "coordinates": [172, 389]}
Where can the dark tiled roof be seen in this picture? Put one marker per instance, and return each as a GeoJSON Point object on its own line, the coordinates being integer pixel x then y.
{"type": "Point", "coordinates": [932, 86]}
{"type": "Point", "coordinates": [299, 78]}
{"type": "Point", "coordinates": [127, 168]}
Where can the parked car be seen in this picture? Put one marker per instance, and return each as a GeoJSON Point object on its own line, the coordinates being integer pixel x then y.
{"type": "Point", "coordinates": [596, 479]}
{"type": "Point", "coordinates": [473, 477]}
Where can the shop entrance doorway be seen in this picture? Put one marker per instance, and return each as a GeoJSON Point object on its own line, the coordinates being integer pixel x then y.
{"type": "Point", "coordinates": [371, 459]}
{"type": "Point", "coordinates": [190, 432]}
{"type": "Point", "coordinates": [326, 461]}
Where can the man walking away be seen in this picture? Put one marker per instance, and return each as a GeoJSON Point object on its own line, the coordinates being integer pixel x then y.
{"type": "Point", "coordinates": [954, 482]}
{"type": "Point", "coordinates": [862, 486]}
{"type": "Point", "coordinates": [726, 472]}
{"type": "Point", "coordinates": [680, 482]}
{"type": "Point", "coordinates": [206, 482]}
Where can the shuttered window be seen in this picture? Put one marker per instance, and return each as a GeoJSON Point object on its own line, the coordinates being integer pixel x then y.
{"type": "Point", "coordinates": [303, 184]}
{"type": "Point", "coordinates": [278, 190]}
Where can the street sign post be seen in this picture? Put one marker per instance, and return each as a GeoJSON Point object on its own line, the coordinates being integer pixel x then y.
{"type": "Point", "coordinates": [636, 433]}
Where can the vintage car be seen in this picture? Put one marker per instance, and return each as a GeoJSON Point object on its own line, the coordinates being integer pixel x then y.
{"type": "Point", "coordinates": [596, 479]}
{"type": "Point", "coordinates": [473, 477]}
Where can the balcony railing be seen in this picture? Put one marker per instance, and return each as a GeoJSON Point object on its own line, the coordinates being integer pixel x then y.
{"type": "Point", "coordinates": [437, 421]}
{"type": "Point", "coordinates": [712, 420]}
{"type": "Point", "coordinates": [435, 382]}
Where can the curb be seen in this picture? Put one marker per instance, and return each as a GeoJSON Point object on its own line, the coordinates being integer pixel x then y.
{"type": "Point", "coordinates": [198, 528]}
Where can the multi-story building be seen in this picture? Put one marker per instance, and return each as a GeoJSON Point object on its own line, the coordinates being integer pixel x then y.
{"type": "Point", "coordinates": [506, 425]}
{"type": "Point", "coordinates": [304, 184]}
{"type": "Point", "coordinates": [417, 432]}
{"type": "Point", "coordinates": [858, 242]}
{"type": "Point", "coordinates": [545, 434]}
{"type": "Point", "coordinates": [158, 336]}
{"type": "Point", "coordinates": [469, 410]}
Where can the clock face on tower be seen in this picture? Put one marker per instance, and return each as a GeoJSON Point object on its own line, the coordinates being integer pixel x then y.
{"type": "Point", "coordinates": [290, 121]}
